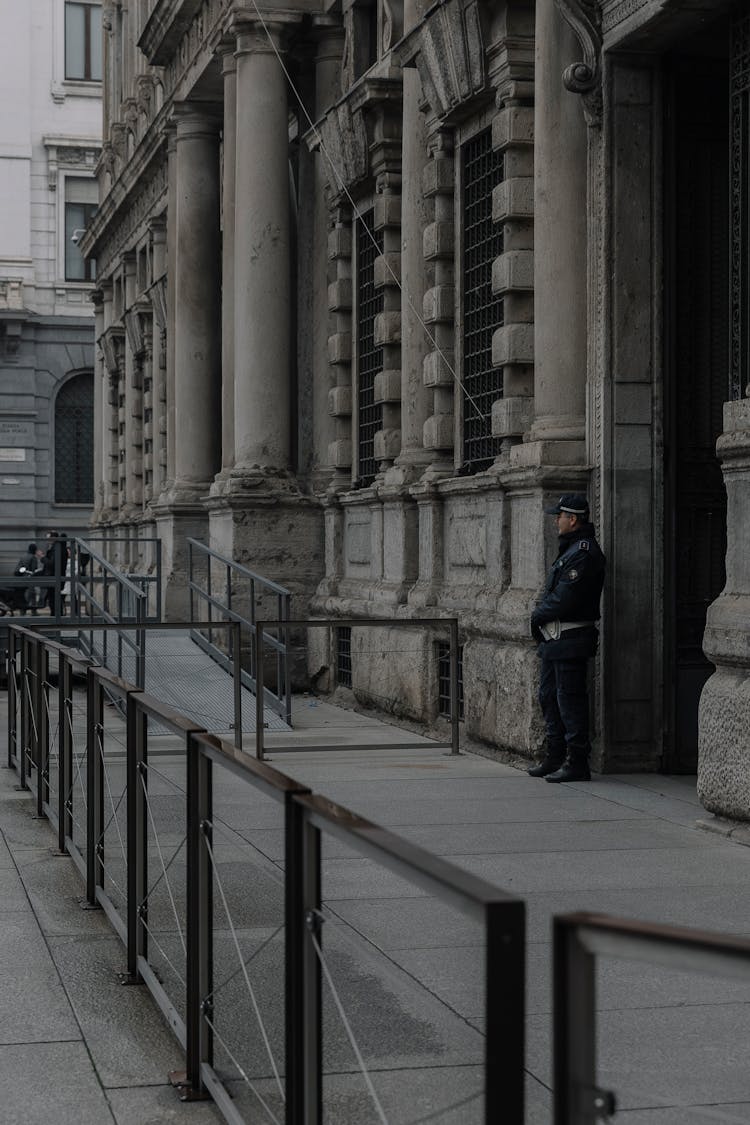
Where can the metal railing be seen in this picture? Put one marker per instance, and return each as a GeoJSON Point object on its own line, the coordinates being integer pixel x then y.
{"type": "Point", "coordinates": [126, 556]}
{"type": "Point", "coordinates": [144, 864]}
{"type": "Point", "coordinates": [237, 586]}
{"type": "Point", "coordinates": [578, 940]}
{"type": "Point", "coordinates": [264, 638]}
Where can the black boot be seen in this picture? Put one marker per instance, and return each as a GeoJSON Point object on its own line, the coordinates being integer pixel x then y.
{"type": "Point", "coordinates": [552, 761]}
{"type": "Point", "coordinates": [574, 768]}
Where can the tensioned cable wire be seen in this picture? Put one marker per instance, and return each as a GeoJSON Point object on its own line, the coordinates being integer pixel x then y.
{"type": "Point", "coordinates": [115, 807]}
{"type": "Point", "coordinates": [218, 987]}
{"type": "Point", "coordinates": [77, 761]}
{"type": "Point", "coordinates": [159, 878]}
{"type": "Point", "coordinates": [358, 213]}
{"type": "Point", "coordinates": [161, 860]}
{"type": "Point", "coordinates": [241, 1071]}
{"type": "Point", "coordinates": [258, 1015]}
{"type": "Point", "coordinates": [348, 1029]}
{"type": "Point", "coordinates": [152, 934]}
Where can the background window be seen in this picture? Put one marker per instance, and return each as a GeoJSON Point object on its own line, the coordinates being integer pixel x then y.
{"type": "Point", "coordinates": [81, 198]}
{"type": "Point", "coordinates": [83, 41]}
{"type": "Point", "coordinates": [74, 441]}
{"type": "Point", "coordinates": [482, 170]}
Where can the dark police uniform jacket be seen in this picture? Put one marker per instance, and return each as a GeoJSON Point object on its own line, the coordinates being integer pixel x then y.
{"type": "Point", "coordinates": [572, 593]}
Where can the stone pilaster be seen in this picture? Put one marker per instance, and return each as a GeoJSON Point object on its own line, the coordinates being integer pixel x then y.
{"type": "Point", "coordinates": [387, 328]}
{"type": "Point", "coordinates": [100, 395]}
{"type": "Point", "coordinates": [340, 347]}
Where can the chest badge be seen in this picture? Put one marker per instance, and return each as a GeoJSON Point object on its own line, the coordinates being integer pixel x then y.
{"type": "Point", "coordinates": [572, 575]}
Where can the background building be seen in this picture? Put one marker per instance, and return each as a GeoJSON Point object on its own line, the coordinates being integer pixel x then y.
{"type": "Point", "coordinates": [508, 259]}
{"type": "Point", "coordinates": [50, 140]}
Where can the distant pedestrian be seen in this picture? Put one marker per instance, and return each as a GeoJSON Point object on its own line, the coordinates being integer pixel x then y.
{"type": "Point", "coordinates": [56, 563]}
{"type": "Point", "coordinates": [28, 566]}
{"type": "Point", "coordinates": [564, 622]}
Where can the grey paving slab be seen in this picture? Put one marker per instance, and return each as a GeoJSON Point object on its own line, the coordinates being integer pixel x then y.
{"type": "Point", "coordinates": [12, 895]}
{"type": "Point", "coordinates": [55, 889]}
{"type": "Point", "coordinates": [159, 1105]}
{"type": "Point", "coordinates": [409, 923]}
{"type": "Point", "coordinates": [69, 1093]}
{"type": "Point", "coordinates": [667, 867]}
{"type": "Point", "coordinates": [30, 987]}
{"type": "Point", "coordinates": [361, 878]}
{"type": "Point", "coordinates": [718, 1114]}
{"type": "Point", "coordinates": [124, 1031]}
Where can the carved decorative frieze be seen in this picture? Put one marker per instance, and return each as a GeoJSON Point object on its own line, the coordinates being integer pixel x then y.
{"type": "Point", "coordinates": [111, 342]}
{"type": "Point", "coordinates": [584, 17]}
{"type": "Point", "coordinates": [618, 12]}
{"type": "Point", "coordinates": [344, 146]}
{"type": "Point", "coordinates": [449, 53]}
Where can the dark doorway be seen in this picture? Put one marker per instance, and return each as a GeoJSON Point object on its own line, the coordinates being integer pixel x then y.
{"type": "Point", "coordinates": [697, 320]}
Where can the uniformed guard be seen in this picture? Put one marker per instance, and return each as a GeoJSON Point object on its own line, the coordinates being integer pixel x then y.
{"type": "Point", "coordinates": [564, 623]}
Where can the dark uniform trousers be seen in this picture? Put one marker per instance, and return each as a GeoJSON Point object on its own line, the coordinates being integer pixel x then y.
{"type": "Point", "coordinates": [565, 705]}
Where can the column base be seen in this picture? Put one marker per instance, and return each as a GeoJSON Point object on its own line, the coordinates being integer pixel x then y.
{"type": "Point", "coordinates": [540, 454]}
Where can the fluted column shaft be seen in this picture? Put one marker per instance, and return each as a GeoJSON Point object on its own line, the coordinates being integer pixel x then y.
{"type": "Point", "coordinates": [229, 71]}
{"type": "Point", "coordinates": [197, 295]}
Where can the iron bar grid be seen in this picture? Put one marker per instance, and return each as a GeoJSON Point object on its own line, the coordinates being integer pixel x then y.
{"type": "Point", "coordinates": [444, 680]}
{"type": "Point", "coordinates": [482, 170]}
{"type": "Point", "coordinates": [369, 354]}
{"type": "Point", "coordinates": [344, 656]}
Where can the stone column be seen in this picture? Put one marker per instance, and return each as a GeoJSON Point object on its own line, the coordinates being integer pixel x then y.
{"type": "Point", "coordinates": [229, 145]}
{"type": "Point", "coordinates": [197, 345]}
{"type": "Point", "coordinates": [560, 240]}
{"type": "Point", "coordinates": [262, 259]}
{"type": "Point", "coordinates": [171, 289]}
{"type": "Point", "coordinates": [100, 394]}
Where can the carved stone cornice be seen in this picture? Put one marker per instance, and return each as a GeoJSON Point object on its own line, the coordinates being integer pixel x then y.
{"type": "Point", "coordinates": [585, 78]}
{"type": "Point", "coordinates": [111, 343]}
{"type": "Point", "coordinates": [341, 139]}
{"type": "Point", "coordinates": [448, 51]}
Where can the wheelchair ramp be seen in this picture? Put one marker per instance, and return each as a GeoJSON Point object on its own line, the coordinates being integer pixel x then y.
{"type": "Point", "coordinates": [182, 676]}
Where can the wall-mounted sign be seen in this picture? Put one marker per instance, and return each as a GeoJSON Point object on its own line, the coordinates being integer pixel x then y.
{"type": "Point", "coordinates": [12, 454]}
{"type": "Point", "coordinates": [10, 480]}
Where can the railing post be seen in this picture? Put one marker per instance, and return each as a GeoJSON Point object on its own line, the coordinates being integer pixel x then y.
{"type": "Point", "coordinates": [65, 751]}
{"type": "Point", "coordinates": [140, 646]}
{"type": "Point", "coordinates": [199, 937]}
{"type": "Point", "coordinates": [42, 730]}
{"type": "Point", "coordinates": [24, 681]}
{"type": "Point", "coordinates": [12, 699]}
{"type": "Point", "coordinates": [454, 688]}
{"type": "Point", "coordinates": [94, 787]}
{"type": "Point", "coordinates": [259, 680]}
{"type": "Point", "coordinates": [303, 1008]}
{"type": "Point", "coordinates": [505, 957]}
{"type": "Point", "coordinates": [574, 1029]}
{"type": "Point", "coordinates": [137, 834]}
{"type": "Point", "coordinates": [235, 636]}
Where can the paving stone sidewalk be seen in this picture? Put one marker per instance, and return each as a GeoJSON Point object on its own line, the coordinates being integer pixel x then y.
{"type": "Point", "coordinates": [77, 1047]}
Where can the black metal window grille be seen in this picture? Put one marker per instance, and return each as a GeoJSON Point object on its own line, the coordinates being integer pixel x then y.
{"type": "Point", "coordinates": [74, 441]}
{"type": "Point", "coordinates": [344, 656]}
{"type": "Point", "coordinates": [369, 357]}
{"type": "Point", "coordinates": [740, 192]}
{"type": "Point", "coordinates": [482, 170]}
{"type": "Point", "coordinates": [444, 680]}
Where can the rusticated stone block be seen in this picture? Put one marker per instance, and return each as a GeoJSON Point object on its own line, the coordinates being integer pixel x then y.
{"type": "Point", "coordinates": [435, 369]}
{"type": "Point", "coordinates": [387, 445]}
{"type": "Point", "coordinates": [387, 270]}
{"type": "Point", "coordinates": [340, 453]}
{"type": "Point", "coordinates": [438, 240]}
{"type": "Point", "coordinates": [340, 347]}
{"type": "Point", "coordinates": [387, 211]}
{"type": "Point", "coordinates": [513, 125]}
{"type": "Point", "coordinates": [439, 304]}
{"type": "Point", "coordinates": [513, 199]}
{"type": "Point", "coordinates": [340, 402]}
{"type": "Point", "coordinates": [340, 243]}
{"type": "Point", "coordinates": [387, 386]}
{"type": "Point", "coordinates": [513, 270]}
{"type": "Point", "coordinates": [513, 343]}
{"type": "Point", "coordinates": [340, 295]}
{"type": "Point", "coordinates": [387, 328]}
{"type": "Point", "coordinates": [512, 416]}
{"type": "Point", "coordinates": [439, 431]}
{"type": "Point", "coordinates": [438, 177]}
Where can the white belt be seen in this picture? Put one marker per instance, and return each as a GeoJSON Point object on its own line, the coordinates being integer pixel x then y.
{"type": "Point", "coordinates": [552, 630]}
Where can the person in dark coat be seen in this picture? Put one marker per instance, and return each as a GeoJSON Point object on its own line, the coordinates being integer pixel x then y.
{"type": "Point", "coordinates": [56, 563]}
{"type": "Point", "coordinates": [564, 622]}
{"type": "Point", "coordinates": [30, 564]}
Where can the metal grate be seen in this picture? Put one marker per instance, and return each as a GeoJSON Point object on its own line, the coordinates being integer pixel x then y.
{"type": "Point", "coordinates": [444, 680]}
{"type": "Point", "coordinates": [740, 196]}
{"type": "Point", "coordinates": [369, 357]}
{"type": "Point", "coordinates": [482, 170]}
{"type": "Point", "coordinates": [74, 441]}
{"type": "Point", "coordinates": [344, 656]}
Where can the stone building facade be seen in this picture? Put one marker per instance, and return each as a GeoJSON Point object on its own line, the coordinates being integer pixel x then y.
{"type": "Point", "coordinates": [380, 278]}
{"type": "Point", "coordinates": [50, 142]}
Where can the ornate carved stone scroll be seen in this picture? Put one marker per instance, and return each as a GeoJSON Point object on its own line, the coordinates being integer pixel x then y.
{"type": "Point", "coordinates": [585, 78]}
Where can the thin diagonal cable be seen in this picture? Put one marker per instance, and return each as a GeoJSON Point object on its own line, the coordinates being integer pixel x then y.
{"type": "Point", "coordinates": [257, 1093]}
{"type": "Point", "coordinates": [170, 781]}
{"type": "Point", "coordinates": [159, 878]}
{"type": "Point", "coordinates": [217, 988]}
{"type": "Point", "coordinates": [113, 881]}
{"type": "Point", "coordinates": [271, 871]}
{"type": "Point", "coordinates": [151, 933]}
{"type": "Point", "coordinates": [77, 761]}
{"type": "Point", "coordinates": [31, 706]}
{"type": "Point", "coordinates": [348, 1029]}
{"type": "Point", "coordinates": [161, 860]}
{"type": "Point", "coordinates": [258, 1016]}
{"type": "Point", "coordinates": [396, 280]}
{"type": "Point", "coordinates": [115, 807]}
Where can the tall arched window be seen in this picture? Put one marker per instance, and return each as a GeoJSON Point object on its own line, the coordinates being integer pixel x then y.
{"type": "Point", "coordinates": [74, 441]}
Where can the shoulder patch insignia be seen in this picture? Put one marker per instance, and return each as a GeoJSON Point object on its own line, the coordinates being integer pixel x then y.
{"type": "Point", "coordinates": [572, 575]}
{"type": "Point", "coordinates": [584, 545]}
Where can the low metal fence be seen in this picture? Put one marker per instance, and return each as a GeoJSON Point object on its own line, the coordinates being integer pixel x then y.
{"type": "Point", "coordinates": [578, 940]}
{"type": "Point", "coordinates": [177, 950]}
{"type": "Point", "coordinates": [271, 634]}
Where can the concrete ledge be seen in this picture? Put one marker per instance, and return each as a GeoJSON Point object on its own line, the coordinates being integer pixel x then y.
{"type": "Point", "coordinates": [737, 831]}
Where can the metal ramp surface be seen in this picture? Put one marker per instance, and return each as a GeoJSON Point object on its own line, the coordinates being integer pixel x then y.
{"type": "Point", "coordinates": [182, 676]}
